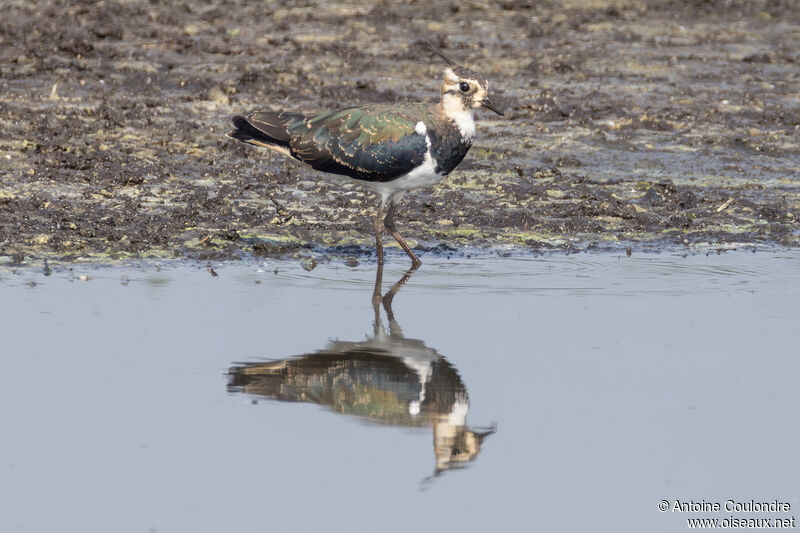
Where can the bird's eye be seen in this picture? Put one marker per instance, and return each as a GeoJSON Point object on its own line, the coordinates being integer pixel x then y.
{"type": "Point", "coordinates": [464, 87]}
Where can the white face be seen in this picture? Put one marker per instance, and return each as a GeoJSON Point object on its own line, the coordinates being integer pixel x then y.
{"type": "Point", "coordinates": [471, 93]}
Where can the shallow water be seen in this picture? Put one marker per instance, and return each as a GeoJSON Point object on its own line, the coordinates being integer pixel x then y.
{"type": "Point", "coordinates": [611, 383]}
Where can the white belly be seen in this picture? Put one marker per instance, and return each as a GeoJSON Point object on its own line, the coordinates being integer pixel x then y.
{"type": "Point", "coordinates": [424, 175]}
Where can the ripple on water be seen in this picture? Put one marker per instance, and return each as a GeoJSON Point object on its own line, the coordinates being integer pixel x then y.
{"type": "Point", "coordinates": [544, 275]}
{"type": "Point", "coordinates": [574, 274]}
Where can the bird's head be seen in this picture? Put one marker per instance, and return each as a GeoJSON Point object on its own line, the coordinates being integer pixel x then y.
{"type": "Point", "coordinates": [468, 87]}
{"type": "Point", "coordinates": [463, 87]}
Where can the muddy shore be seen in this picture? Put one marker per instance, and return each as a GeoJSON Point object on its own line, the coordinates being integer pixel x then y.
{"type": "Point", "coordinates": [647, 124]}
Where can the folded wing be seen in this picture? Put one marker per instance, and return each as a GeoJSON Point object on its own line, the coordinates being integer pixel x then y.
{"type": "Point", "coordinates": [373, 143]}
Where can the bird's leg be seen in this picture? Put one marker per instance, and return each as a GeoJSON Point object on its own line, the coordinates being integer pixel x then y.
{"type": "Point", "coordinates": [376, 299]}
{"type": "Point", "coordinates": [388, 223]}
{"type": "Point", "coordinates": [376, 293]}
{"type": "Point", "coordinates": [389, 296]}
{"type": "Point", "coordinates": [378, 225]}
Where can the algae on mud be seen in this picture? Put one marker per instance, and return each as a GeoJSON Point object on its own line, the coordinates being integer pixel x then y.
{"type": "Point", "coordinates": [630, 123]}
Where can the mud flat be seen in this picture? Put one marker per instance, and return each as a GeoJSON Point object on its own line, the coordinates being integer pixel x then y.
{"type": "Point", "coordinates": [642, 124]}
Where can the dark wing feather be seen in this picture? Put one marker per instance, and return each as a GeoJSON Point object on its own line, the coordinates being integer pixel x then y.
{"type": "Point", "coordinates": [372, 143]}
{"type": "Point", "coordinates": [275, 124]}
{"type": "Point", "coordinates": [265, 128]}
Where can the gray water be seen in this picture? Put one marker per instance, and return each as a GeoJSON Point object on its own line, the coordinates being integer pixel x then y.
{"type": "Point", "coordinates": [563, 393]}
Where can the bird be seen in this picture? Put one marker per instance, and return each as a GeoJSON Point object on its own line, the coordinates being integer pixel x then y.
{"type": "Point", "coordinates": [386, 378]}
{"type": "Point", "coordinates": [389, 148]}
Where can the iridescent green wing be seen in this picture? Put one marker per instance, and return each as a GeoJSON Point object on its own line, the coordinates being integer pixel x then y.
{"type": "Point", "coordinates": [372, 143]}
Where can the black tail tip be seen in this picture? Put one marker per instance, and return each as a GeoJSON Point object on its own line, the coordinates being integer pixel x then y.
{"type": "Point", "coordinates": [241, 131]}
{"type": "Point", "coordinates": [240, 122]}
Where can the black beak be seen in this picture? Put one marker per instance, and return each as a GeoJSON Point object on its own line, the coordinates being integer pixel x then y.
{"type": "Point", "coordinates": [483, 434]}
{"type": "Point", "coordinates": [488, 104]}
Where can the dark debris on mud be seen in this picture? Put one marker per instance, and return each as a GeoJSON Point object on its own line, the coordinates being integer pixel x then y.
{"type": "Point", "coordinates": [647, 123]}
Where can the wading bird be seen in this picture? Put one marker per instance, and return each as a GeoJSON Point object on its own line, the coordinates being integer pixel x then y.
{"type": "Point", "coordinates": [389, 148]}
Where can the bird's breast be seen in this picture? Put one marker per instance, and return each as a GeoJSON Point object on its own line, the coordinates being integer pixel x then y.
{"type": "Point", "coordinates": [448, 148]}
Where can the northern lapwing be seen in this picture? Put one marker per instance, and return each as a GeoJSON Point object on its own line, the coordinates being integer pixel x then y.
{"type": "Point", "coordinates": [387, 378]}
{"type": "Point", "coordinates": [389, 148]}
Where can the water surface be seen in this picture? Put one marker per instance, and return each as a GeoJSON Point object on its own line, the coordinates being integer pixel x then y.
{"type": "Point", "coordinates": [559, 393]}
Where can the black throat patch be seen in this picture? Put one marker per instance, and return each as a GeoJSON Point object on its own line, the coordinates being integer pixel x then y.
{"type": "Point", "coordinates": [447, 148]}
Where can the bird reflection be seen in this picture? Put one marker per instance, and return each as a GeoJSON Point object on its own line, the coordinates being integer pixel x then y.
{"type": "Point", "coordinates": [387, 378]}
